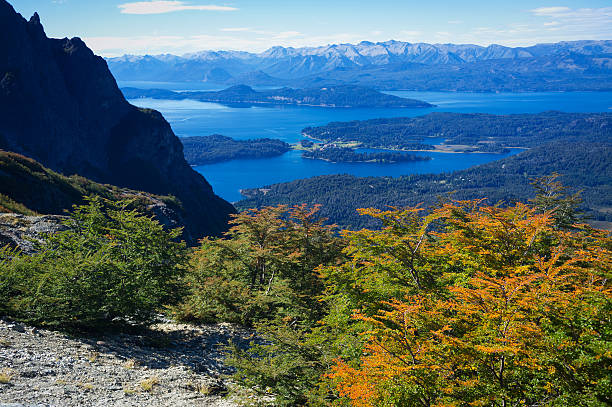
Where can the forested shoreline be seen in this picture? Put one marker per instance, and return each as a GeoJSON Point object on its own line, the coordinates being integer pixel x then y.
{"type": "Point", "coordinates": [346, 154]}
{"type": "Point", "coordinates": [584, 166]}
{"type": "Point", "coordinates": [478, 131]}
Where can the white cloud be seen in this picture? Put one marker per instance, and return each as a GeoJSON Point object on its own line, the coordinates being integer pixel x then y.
{"type": "Point", "coordinates": [551, 24]}
{"type": "Point", "coordinates": [166, 6]}
{"type": "Point", "coordinates": [178, 45]}
{"type": "Point", "coordinates": [550, 11]}
{"type": "Point", "coordinates": [593, 17]}
{"type": "Point", "coordinates": [410, 35]}
{"type": "Point", "coordinates": [287, 34]}
{"type": "Point", "coordinates": [236, 29]}
{"type": "Point", "coordinates": [455, 22]}
{"type": "Point", "coordinates": [548, 24]}
{"type": "Point", "coordinates": [153, 44]}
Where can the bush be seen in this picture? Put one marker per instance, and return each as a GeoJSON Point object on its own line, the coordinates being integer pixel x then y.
{"type": "Point", "coordinates": [112, 262]}
{"type": "Point", "coordinates": [264, 269]}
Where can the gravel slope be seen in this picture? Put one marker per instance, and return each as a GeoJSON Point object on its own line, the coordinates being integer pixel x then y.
{"type": "Point", "coordinates": [169, 365]}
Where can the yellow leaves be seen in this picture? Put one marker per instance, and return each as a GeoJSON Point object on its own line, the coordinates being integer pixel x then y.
{"type": "Point", "coordinates": [500, 278]}
{"type": "Point", "coordinates": [352, 384]}
{"type": "Point", "coordinates": [492, 349]}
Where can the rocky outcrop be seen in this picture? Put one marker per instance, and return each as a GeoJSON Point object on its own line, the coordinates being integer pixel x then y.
{"type": "Point", "coordinates": [62, 107]}
{"type": "Point", "coordinates": [23, 232]}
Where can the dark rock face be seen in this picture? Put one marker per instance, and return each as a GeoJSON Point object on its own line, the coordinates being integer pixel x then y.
{"type": "Point", "coordinates": [60, 105]}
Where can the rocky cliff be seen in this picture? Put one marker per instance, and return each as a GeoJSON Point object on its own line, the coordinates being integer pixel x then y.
{"type": "Point", "coordinates": [60, 105]}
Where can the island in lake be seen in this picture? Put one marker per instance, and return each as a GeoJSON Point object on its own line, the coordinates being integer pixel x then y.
{"type": "Point", "coordinates": [330, 96]}
{"type": "Point", "coordinates": [200, 150]}
{"type": "Point", "coordinates": [349, 155]}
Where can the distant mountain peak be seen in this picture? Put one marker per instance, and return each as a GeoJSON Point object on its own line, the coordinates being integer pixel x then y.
{"type": "Point", "coordinates": [242, 89]}
{"type": "Point", "coordinates": [394, 64]}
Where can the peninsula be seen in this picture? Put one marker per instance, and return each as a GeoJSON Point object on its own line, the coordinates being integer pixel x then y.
{"type": "Point", "coordinates": [330, 96]}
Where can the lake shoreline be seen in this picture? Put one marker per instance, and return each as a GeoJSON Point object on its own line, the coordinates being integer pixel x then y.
{"type": "Point", "coordinates": [189, 118]}
{"type": "Point", "coordinates": [445, 151]}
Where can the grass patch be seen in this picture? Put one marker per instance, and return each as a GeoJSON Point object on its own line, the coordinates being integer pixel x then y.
{"type": "Point", "coordinates": [6, 375]}
{"type": "Point", "coordinates": [149, 383]}
{"type": "Point", "coordinates": [86, 386]}
{"type": "Point", "coordinates": [93, 356]}
{"type": "Point", "coordinates": [206, 389]}
{"type": "Point", "coordinates": [130, 364]}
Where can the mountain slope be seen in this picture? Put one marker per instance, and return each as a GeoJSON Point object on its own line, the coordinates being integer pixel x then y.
{"type": "Point", "coordinates": [62, 107]}
{"type": "Point", "coordinates": [28, 188]}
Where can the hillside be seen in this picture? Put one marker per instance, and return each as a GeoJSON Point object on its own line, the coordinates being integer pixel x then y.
{"type": "Point", "coordinates": [583, 165]}
{"type": "Point", "coordinates": [28, 188]}
{"type": "Point", "coordinates": [62, 107]}
{"type": "Point", "coordinates": [327, 96]}
{"type": "Point", "coordinates": [563, 66]}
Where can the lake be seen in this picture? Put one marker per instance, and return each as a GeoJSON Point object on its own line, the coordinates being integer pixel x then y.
{"type": "Point", "coordinates": [193, 118]}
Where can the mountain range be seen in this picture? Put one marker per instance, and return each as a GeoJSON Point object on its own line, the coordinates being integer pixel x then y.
{"type": "Point", "coordinates": [584, 65]}
{"type": "Point", "coordinates": [61, 106]}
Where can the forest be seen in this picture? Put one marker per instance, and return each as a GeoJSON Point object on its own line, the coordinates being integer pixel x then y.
{"type": "Point", "coordinates": [484, 132]}
{"type": "Point", "coordinates": [349, 155]}
{"type": "Point", "coordinates": [584, 166]}
{"type": "Point", "coordinates": [201, 150]}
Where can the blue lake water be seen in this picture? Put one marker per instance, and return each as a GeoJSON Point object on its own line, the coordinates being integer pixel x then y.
{"type": "Point", "coordinates": [192, 118]}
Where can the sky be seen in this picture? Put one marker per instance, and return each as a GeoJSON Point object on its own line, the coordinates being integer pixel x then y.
{"type": "Point", "coordinates": [117, 27]}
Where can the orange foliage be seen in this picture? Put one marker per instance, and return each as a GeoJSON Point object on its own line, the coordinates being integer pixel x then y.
{"type": "Point", "coordinates": [512, 303]}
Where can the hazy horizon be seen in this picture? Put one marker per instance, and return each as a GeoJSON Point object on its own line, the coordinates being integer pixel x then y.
{"type": "Point", "coordinates": [118, 27]}
{"type": "Point", "coordinates": [355, 43]}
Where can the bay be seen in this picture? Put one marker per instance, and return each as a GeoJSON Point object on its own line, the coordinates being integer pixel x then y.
{"type": "Point", "coordinates": [193, 118]}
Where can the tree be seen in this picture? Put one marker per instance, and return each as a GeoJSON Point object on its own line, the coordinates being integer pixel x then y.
{"type": "Point", "coordinates": [553, 197]}
{"type": "Point", "coordinates": [264, 274]}
{"type": "Point", "coordinates": [111, 262]}
{"type": "Point", "coordinates": [519, 314]}
{"type": "Point", "coordinates": [264, 268]}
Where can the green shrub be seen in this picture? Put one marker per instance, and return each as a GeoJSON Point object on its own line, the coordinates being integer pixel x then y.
{"type": "Point", "coordinates": [264, 269]}
{"type": "Point", "coordinates": [264, 274]}
{"type": "Point", "coordinates": [111, 262]}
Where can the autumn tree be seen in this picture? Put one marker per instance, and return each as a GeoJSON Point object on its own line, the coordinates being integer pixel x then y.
{"type": "Point", "coordinates": [516, 311]}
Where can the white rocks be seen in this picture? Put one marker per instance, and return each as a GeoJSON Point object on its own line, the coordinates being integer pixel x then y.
{"type": "Point", "coordinates": [169, 365]}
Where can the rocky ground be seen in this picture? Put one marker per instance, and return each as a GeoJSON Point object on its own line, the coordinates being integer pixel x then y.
{"type": "Point", "coordinates": [169, 365]}
{"type": "Point", "coordinates": [23, 231]}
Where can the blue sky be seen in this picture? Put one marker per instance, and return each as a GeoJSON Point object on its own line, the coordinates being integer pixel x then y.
{"type": "Point", "coordinates": [112, 27]}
